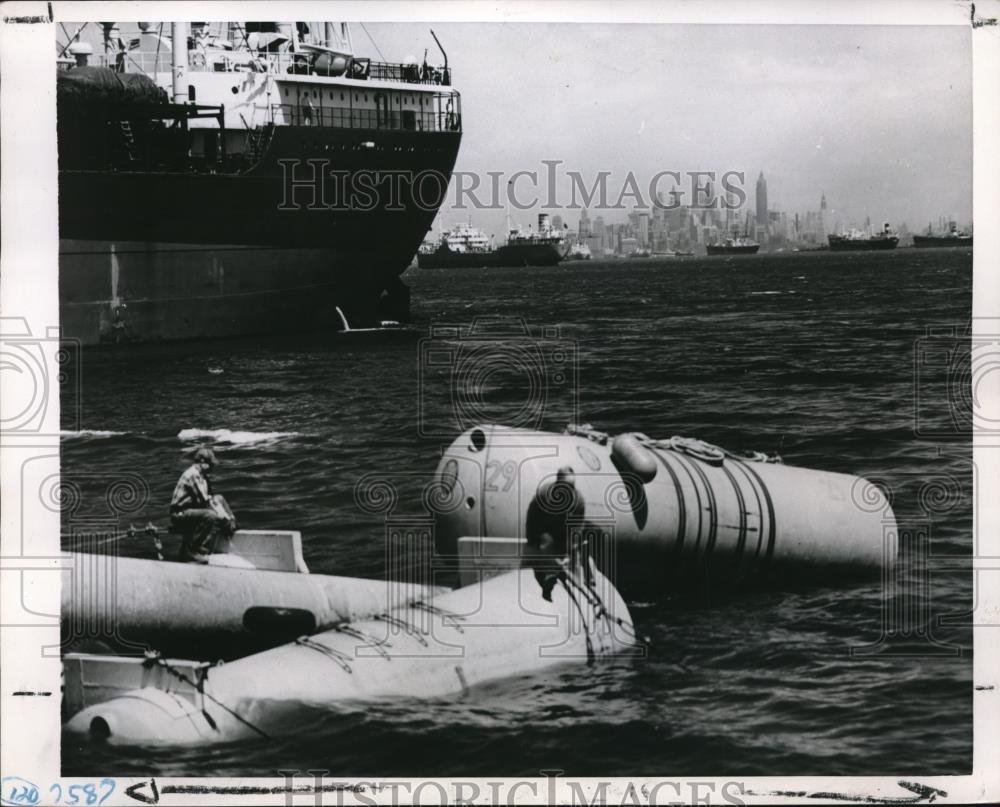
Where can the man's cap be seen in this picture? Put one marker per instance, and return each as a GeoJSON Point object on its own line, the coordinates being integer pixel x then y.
{"type": "Point", "coordinates": [205, 454]}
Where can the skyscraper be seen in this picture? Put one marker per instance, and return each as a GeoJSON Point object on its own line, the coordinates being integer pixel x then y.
{"type": "Point", "coordinates": [584, 224]}
{"type": "Point", "coordinates": [823, 219]}
{"type": "Point", "coordinates": [762, 201]}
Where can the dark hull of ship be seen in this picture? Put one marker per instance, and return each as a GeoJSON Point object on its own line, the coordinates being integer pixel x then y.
{"type": "Point", "coordinates": [148, 256]}
{"type": "Point", "coordinates": [942, 240]}
{"type": "Point", "coordinates": [854, 244]}
{"type": "Point", "coordinates": [509, 255]}
{"type": "Point", "coordinates": [721, 249]}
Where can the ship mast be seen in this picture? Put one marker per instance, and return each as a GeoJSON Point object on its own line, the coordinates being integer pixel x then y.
{"type": "Point", "coordinates": [507, 206]}
{"type": "Point", "coordinates": [178, 40]}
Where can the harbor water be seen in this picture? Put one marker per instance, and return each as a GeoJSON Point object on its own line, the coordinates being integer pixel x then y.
{"type": "Point", "coordinates": [824, 358]}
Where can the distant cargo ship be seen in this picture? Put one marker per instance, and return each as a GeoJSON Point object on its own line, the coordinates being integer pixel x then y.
{"type": "Point", "coordinates": [953, 238]}
{"type": "Point", "coordinates": [466, 247]}
{"type": "Point", "coordinates": [739, 244]}
{"type": "Point", "coordinates": [858, 239]}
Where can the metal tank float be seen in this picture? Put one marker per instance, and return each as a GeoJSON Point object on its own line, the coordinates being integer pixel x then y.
{"type": "Point", "coordinates": [655, 513]}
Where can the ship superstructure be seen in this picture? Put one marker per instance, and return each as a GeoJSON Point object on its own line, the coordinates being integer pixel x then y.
{"type": "Point", "coordinates": [736, 244]}
{"type": "Point", "coordinates": [953, 238]}
{"type": "Point", "coordinates": [278, 177]}
{"type": "Point", "coordinates": [856, 239]}
{"type": "Point", "coordinates": [465, 246]}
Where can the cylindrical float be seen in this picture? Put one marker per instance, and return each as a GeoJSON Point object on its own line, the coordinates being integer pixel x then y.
{"type": "Point", "coordinates": [498, 628]}
{"type": "Point", "coordinates": [661, 509]}
{"type": "Point", "coordinates": [212, 612]}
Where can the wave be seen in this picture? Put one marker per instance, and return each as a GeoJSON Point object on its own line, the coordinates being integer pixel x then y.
{"type": "Point", "coordinates": [69, 435]}
{"type": "Point", "coordinates": [235, 438]}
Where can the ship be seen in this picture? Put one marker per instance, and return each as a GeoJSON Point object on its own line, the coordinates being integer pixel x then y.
{"type": "Point", "coordinates": [953, 238]}
{"type": "Point", "coordinates": [860, 239]}
{"type": "Point", "coordinates": [232, 179]}
{"type": "Point", "coordinates": [466, 247]}
{"type": "Point", "coordinates": [579, 252]}
{"type": "Point", "coordinates": [737, 244]}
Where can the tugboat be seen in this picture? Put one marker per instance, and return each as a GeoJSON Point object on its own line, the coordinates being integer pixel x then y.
{"type": "Point", "coordinates": [738, 244]}
{"type": "Point", "coordinates": [859, 239]}
{"type": "Point", "coordinates": [466, 247]}
{"type": "Point", "coordinates": [953, 238]}
{"type": "Point", "coordinates": [579, 252]}
{"type": "Point", "coordinates": [212, 178]}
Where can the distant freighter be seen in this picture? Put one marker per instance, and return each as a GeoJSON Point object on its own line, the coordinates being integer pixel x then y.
{"type": "Point", "coordinates": [953, 238]}
{"type": "Point", "coordinates": [741, 244]}
{"type": "Point", "coordinates": [856, 239]}
{"type": "Point", "coordinates": [466, 247]}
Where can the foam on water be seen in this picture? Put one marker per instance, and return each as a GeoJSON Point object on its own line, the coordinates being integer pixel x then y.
{"type": "Point", "coordinates": [95, 433]}
{"type": "Point", "coordinates": [234, 438]}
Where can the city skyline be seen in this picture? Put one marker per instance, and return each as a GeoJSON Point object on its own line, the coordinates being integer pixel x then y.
{"type": "Point", "coordinates": [856, 112]}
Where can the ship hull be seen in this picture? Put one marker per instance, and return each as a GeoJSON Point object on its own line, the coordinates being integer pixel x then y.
{"type": "Point", "coordinates": [152, 256]}
{"type": "Point", "coordinates": [942, 241]}
{"type": "Point", "coordinates": [718, 249]}
{"type": "Point", "coordinates": [132, 291]}
{"type": "Point", "coordinates": [858, 244]}
{"type": "Point", "coordinates": [510, 255]}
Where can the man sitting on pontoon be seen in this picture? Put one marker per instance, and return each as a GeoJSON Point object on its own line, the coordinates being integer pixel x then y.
{"type": "Point", "coordinates": [199, 516]}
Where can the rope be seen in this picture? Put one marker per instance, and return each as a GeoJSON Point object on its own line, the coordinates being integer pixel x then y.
{"type": "Point", "coordinates": [374, 42]}
{"type": "Point", "coordinates": [586, 633]}
{"type": "Point", "coordinates": [342, 660]}
{"type": "Point", "coordinates": [200, 688]}
{"type": "Point", "coordinates": [403, 625]}
{"type": "Point", "coordinates": [433, 610]}
{"type": "Point", "coordinates": [378, 645]}
{"type": "Point", "coordinates": [601, 611]}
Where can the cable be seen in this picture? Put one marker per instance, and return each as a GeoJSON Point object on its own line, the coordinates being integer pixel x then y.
{"type": "Point", "coordinates": [402, 625]}
{"type": "Point", "coordinates": [586, 630]}
{"type": "Point", "coordinates": [433, 610]}
{"type": "Point", "coordinates": [376, 644]}
{"type": "Point", "coordinates": [373, 42]}
{"type": "Point", "coordinates": [342, 660]}
{"type": "Point", "coordinates": [200, 688]}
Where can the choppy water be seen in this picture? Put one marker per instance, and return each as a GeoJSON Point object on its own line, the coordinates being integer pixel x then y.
{"type": "Point", "coordinates": [812, 355]}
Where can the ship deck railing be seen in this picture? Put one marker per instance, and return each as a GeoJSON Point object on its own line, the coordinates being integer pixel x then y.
{"type": "Point", "coordinates": [279, 64]}
{"type": "Point", "coordinates": [345, 117]}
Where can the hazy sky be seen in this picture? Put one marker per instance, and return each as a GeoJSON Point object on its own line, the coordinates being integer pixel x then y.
{"type": "Point", "coordinates": [878, 118]}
